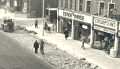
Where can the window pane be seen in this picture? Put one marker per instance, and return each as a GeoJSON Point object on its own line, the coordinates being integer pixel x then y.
{"type": "Point", "coordinates": [80, 4]}
{"type": "Point", "coordinates": [88, 6]}
{"type": "Point", "coordinates": [111, 9]}
{"type": "Point", "coordinates": [101, 9]}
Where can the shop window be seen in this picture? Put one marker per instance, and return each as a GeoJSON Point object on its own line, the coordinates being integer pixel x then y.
{"type": "Point", "coordinates": [101, 8]}
{"type": "Point", "coordinates": [80, 5]}
{"type": "Point", "coordinates": [66, 3]}
{"type": "Point", "coordinates": [88, 6]}
{"type": "Point", "coordinates": [111, 8]}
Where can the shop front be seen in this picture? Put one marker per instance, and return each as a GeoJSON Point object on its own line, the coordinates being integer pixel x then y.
{"type": "Point", "coordinates": [81, 31]}
{"type": "Point", "coordinates": [79, 24]}
{"type": "Point", "coordinates": [82, 27]}
{"type": "Point", "coordinates": [51, 18]}
{"type": "Point", "coordinates": [65, 23]}
{"type": "Point", "coordinates": [105, 33]}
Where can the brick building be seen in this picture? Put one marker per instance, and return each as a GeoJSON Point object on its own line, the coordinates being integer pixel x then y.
{"type": "Point", "coordinates": [96, 21]}
{"type": "Point", "coordinates": [35, 7]}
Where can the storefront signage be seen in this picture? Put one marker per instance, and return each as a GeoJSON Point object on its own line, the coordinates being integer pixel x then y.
{"type": "Point", "coordinates": [79, 17]}
{"type": "Point", "coordinates": [67, 14]}
{"type": "Point", "coordinates": [75, 16]}
{"type": "Point", "coordinates": [105, 22]}
{"type": "Point", "coordinates": [104, 29]}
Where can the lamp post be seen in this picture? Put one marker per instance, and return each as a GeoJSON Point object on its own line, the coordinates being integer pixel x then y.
{"type": "Point", "coordinates": [43, 17]}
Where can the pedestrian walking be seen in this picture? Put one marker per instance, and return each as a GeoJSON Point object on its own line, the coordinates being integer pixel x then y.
{"type": "Point", "coordinates": [46, 26]}
{"type": "Point", "coordinates": [36, 23]}
{"type": "Point", "coordinates": [36, 46]}
{"type": "Point", "coordinates": [66, 33]}
{"type": "Point", "coordinates": [42, 46]}
{"type": "Point", "coordinates": [83, 42]}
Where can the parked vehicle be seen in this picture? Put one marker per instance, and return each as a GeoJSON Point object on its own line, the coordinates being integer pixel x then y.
{"type": "Point", "coordinates": [8, 25]}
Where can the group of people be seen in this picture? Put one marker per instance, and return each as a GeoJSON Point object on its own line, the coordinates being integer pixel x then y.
{"type": "Point", "coordinates": [39, 44]}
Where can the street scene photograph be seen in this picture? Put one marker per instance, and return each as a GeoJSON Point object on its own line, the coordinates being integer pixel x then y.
{"type": "Point", "coordinates": [59, 34]}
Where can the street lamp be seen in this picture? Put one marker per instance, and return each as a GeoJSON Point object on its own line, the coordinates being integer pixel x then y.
{"type": "Point", "coordinates": [43, 17]}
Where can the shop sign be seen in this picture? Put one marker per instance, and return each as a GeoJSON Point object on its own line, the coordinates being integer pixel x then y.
{"type": "Point", "coordinates": [82, 17]}
{"type": "Point", "coordinates": [104, 29]}
{"type": "Point", "coordinates": [78, 17]}
{"type": "Point", "coordinates": [67, 14]}
{"type": "Point", "coordinates": [75, 16]}
{"type": "Point", "coordinates": [105, 22]}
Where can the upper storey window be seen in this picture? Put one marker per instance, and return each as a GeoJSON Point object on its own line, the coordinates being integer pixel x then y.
{"type": "Point", "coordinates": [88, 6]}
{"type": "Point", "coordinates": [101, 8]}
{"type": "Point", "coordinates": [80, 5]}
{"type": "Point", "coordinates": [66, 3]}
{"type": "Point", "coordinates": [111, 9]}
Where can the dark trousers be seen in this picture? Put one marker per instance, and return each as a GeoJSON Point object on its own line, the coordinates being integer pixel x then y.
{"type": "Point", "coordinates": [66, 36]}
{"type": "Point", "coordinates": [36, 26]}
{"type": "Point", "coordinates": [36, 50]}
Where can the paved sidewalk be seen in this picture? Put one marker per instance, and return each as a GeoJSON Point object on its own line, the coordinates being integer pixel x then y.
{"type": "Point", "coordinates": [73, 47]}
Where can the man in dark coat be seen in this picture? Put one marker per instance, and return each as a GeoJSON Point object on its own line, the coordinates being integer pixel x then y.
{"type": "Point", "coordinates": [36, 23]}
{"type": "Point", "coordinates": [36, 46]}
{"type": "Point", "coordinates": [42, 46]}
{"type": "Point", "coordinates": [66, 32]}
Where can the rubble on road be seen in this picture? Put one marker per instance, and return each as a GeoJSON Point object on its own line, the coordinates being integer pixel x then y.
{"type": "Point", "coordinates": [62, 60]}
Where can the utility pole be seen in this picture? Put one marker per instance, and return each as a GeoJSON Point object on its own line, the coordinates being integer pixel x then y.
{"type": "Point", "coordinates": [43, 16]}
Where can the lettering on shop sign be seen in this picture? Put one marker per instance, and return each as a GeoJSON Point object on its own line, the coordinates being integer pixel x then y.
{"type": "Point", "coordinates": [78, 17]}
{"type": "Point", "coordinates": [105, 22]}
{"type": "Point", "coordinates": [68, 14]}
{"type": "Point", "coordinates": [104, 29]}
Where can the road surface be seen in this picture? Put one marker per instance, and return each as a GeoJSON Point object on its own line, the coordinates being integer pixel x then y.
{"type": "Point", "coordinates": [12, 56]}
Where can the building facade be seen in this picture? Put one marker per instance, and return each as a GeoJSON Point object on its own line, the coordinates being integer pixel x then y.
{"type": "Point", "coordinates": [96, 21]}
{"type": "Point", "coordinates": [35, 7]}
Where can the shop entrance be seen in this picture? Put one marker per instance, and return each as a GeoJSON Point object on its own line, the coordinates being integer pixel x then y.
{"type": "Point", "coordinates": [81, 30]}
{"type": "Point", "coordinates": [65, 23]}
{"type": "Point", "coordinates": [103, 40]}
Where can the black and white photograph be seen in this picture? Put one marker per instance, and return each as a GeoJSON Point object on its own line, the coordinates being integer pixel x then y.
{"type": "Point", "coordinates": [59, 34]}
